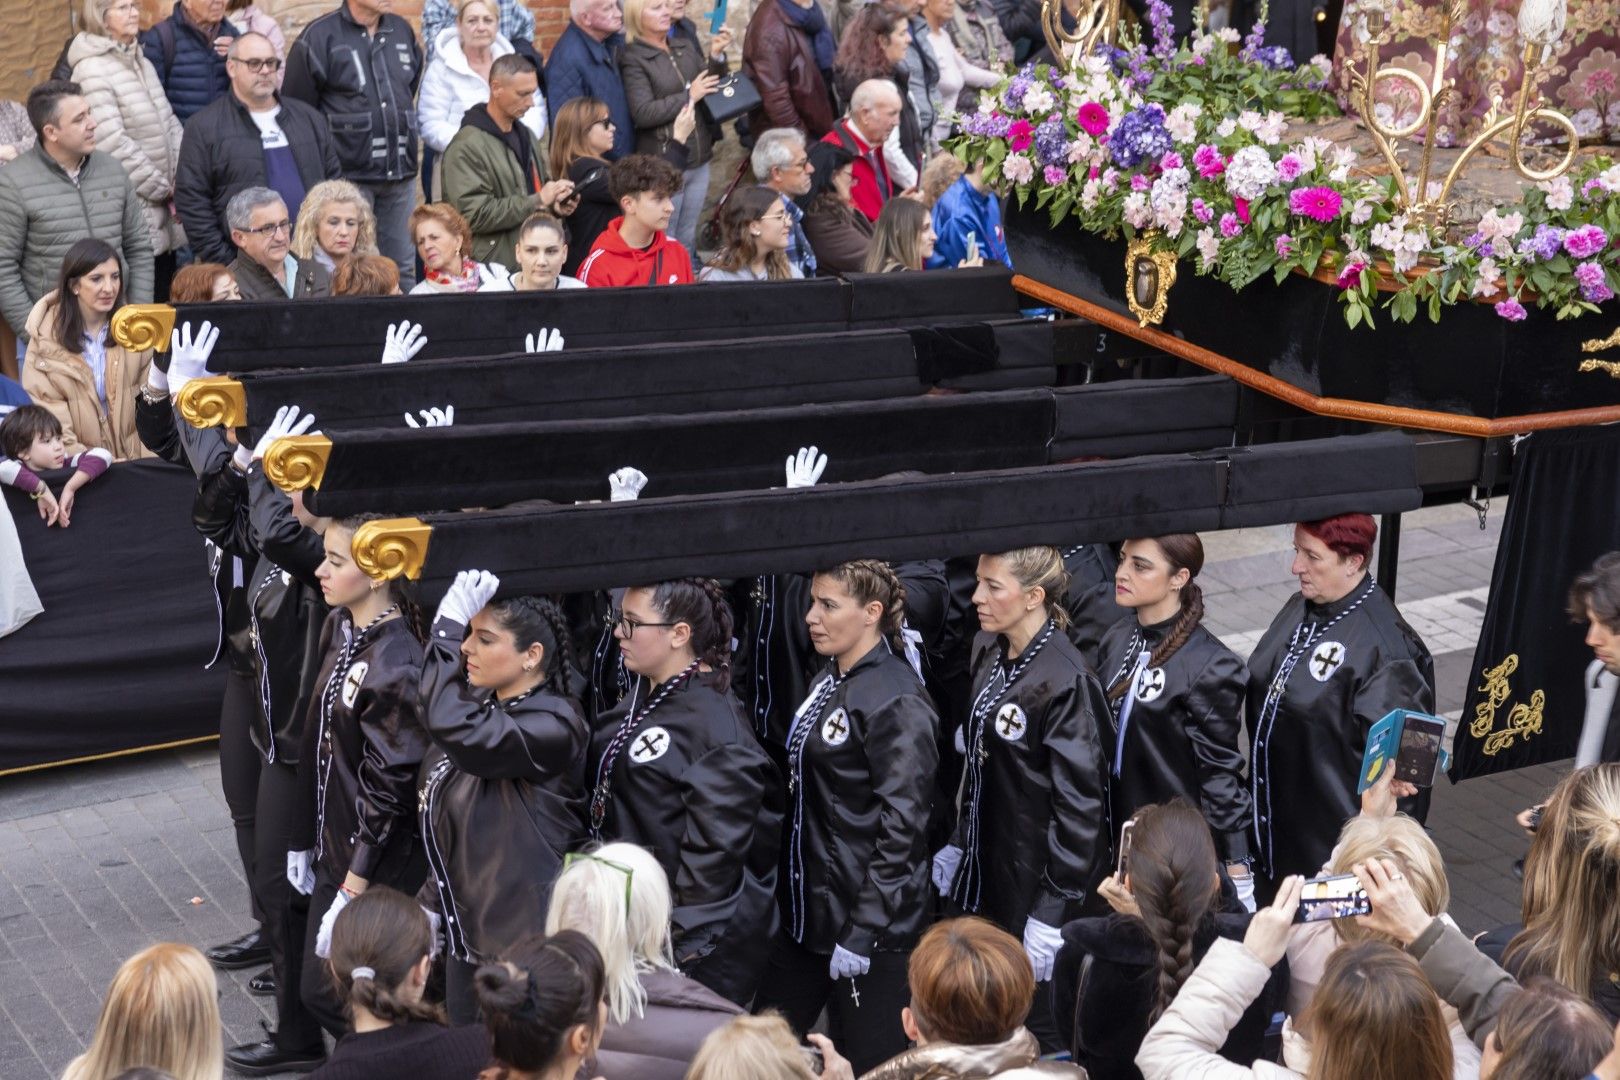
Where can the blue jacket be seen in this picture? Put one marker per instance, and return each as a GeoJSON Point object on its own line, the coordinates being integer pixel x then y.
{"type": "Point", "coordinates": [192, 73]}
{"type": "Point", "coordinates": [581, 66]}
{"type": "Point", "coordinates": [962, 210]}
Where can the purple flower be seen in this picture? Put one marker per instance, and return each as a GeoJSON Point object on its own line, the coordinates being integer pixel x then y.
{"type": "Point", "coordinates": [1164, 38]}
{"type": "Point", "coordinates": [1208, 161]}
{"type": "Point", "coordinates": [1544, 245]}
{"type": "Point", "coordinates": [1051, 142]}
{"type": "Point", "coordinates": [1140, 182]}
{"type": "Point", "coordinates": [1585, 241]}
{"type": "Point", "coordinates": [1019, 86]}
{"type": "Point", "coordinates": [1255, 40]}
{"type": "Point", "coordinates": [1230, 226]}
{"type": "Point", "coordinates": [1284, 245]}
{"type": "Point", "coordinates": [1318, 203]}
{"type": "Point", "coordinates": [1511, 310]}
{"type": "Point", "coordinates": [1593, 282]}
{"type": "Point", "coordinates": [1201, 211]}
{"type": "Point", "coordinates": [986, 124]}
{"type": "Point", "coordinates": [1289, 167]}
{"type": "Point", "coordinates": [1275, 57]}
{"type": "Point", "coordinates": [1140, 136]}
{"type": "Point", "coordinates": [1172, 160]}
{"type": "Point", "coordinates": [1054, 174]}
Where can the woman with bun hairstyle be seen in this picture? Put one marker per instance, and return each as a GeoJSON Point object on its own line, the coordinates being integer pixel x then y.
{"type": "Point", "coordinates": [1030, 842]}
{"type": "Point", "coordinates": [674, 767]}
{"type": "Point", "coordinates": [543, 1007]}
{"type": "Point", "coordinates": [1175, 696]}
{"type": "Point", "coordinates": [861, 760]}
{"type": "Point", "coordinates": [382, 950]}
{"type": "Point", "coordinates": [501, 800]}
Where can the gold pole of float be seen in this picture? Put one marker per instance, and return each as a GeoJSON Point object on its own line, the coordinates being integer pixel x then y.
{"type": "Point", "coordinates": [213, 401]}
{"type": "Point", "coordinates": [139, 327]}
{"type": "Point", "coordinates": [296, 462]}
{"type": "Point", "coordinates": [392, 547]}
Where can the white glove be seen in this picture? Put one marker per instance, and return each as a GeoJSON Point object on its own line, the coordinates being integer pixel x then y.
{"type": "Point", "coordinates": [433, 417]}
{"type": "Point", "coordinates": [287, 422]}
{"type": "Point", "coordinates": [541, 343]}
{"type": "Point", "coordinates": [323, 936]}
{"type": "Point", "coordinates": [625, 485]}
{"type": "Point", "coordinates": [467, 596]}
{"type": "Point", "coordinates": [188, 356]}
{"type": "Point", "coordinates": [946, 860]}
{"type": "Point", "coordinates": [1042, 942]}
{"type": "Point", "coordinates": [436, 933]}
{"type": "Point", "coordinates": [805, 468]}
{"type": "Point", "coordinates": [301, 871]}
{"type": "Point", "coordinates": [493, 277]}
{"type": "Point", "coordinates": [960, 740]}
{"type": "Point", "coordinates": [847, 965]}
{"type": "Point", "coordinates": [404, 341]}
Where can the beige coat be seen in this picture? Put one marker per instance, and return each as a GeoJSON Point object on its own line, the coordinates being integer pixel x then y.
{"type": "Point", "coordinates": [1016, 1057]}
{"type": "Point", "coordinates": [62, 382]}
{"type": "Point", "coordinates": [1185, 1044]}
{"type": "Point", "coordinates": [135, 124]}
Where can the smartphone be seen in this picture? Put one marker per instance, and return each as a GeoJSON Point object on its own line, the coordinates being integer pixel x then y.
{"type": "Point", "coordinates": [1334, 896]}
{"type": "Point", "coordinates": [812, 1058]}
{"type": "Point", "coordinates": [1418, 761]}
{"type": "Point", "coordinates": [1124, 847]}
{"type": "Point", "coordinates": [972, 246]}
{"type": "Point", "coordinates": [717, 17]}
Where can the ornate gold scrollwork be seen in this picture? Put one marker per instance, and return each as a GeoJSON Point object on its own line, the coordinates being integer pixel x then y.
{"type": "Point", "coordinates": [296, 462]}
{"type": "Point", "coordinates": [1095, 20]}
{"type": "Point", "coordinates": [1523, 720]}
{"type": "Point", "coordinates": [392, 547]}
{"type": "Point", "coordinates": [1148, 277]}
{"type": "Point", "coordinates": [139, 327]}
{"type": "Point", "coordinates": [1599, 344]}
{"type": "Point", "coordinates": [1592, 363]}
{"type": "Point", "coordinates": [213, 401]}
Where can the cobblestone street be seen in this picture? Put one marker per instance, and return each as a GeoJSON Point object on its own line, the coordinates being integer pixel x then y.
{"type": "Point", "coordinates": [97, 861]}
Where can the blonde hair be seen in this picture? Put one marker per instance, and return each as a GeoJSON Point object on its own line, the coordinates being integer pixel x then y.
{"type": "Point", "coordinates": [162, 1011]}
{"type": "Point", "coordinates": [1041, 567]}
{"type": "Point", "coordinates": [938, 174]}
{"type": "Point", "coordinates": [321, 196]}
{"type": "Point", "coordinates": [632, 19]}
{"type": "Point", "coordinates": [488, 5]}
{"type": "Point", "coordinates": [1403, 841]}
{"type": "Point", "coordinates": [590, 896]}
{"type": "Point", "coordinates": [751, 1048]}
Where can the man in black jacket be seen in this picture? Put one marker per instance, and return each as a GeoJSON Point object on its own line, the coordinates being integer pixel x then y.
{"type": "Point", "coordinates": [248, 138]}
{"type": "Point", "coordinates": [360, 66]}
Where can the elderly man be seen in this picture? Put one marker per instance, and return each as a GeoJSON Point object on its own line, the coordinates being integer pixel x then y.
{"type": "Point", "coordinates": [874, 111]}
{"type": "Point", "coordinates": [248, 138]}
{"type": "Point", "coordinates": [188, 50]}
{"type": "Point", "coordinates": [782, 163]}
{"type": "Point", "coordinates": [266, 269]}
{"type": "Point", "coordinates": [585, 63]}
{"type": "Point", "coordinates": [58, 193]}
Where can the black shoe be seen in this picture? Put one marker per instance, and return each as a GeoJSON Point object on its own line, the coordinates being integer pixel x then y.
{"type": "Point", "coordinates": [264, 983]}
{"type": "Point", "coordinates": [249, 950]}
{"type": "Point", "coordinates": [266, 1059]}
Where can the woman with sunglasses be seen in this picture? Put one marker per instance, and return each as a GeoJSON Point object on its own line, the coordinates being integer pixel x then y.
{"type": "Point", "coordinates": [675, 768]}
{"type": "Point", "coordinates": [755, 232]}
{"type": "Point", "coordinates": [500, 794]}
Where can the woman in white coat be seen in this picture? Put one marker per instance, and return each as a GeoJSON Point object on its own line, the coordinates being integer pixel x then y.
{"type": "Point", "coordinates": [457, 78]}
{"type": "Point", "coordinates": [134, 121]}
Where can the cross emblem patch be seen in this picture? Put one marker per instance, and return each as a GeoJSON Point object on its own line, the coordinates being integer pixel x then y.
{"type": "Point", "coordinates": [1011, 722]}
{"type": "Point", "coordinates": [1326, 658]}
{"type": "Point", "coordinates": [835, 729]}
{"type": "Point", "coordinates": [650, 745]}
{"type": "Point", "coordinates": [353, 681]}
{"type": "Point", "coordinates": [1149, 684]}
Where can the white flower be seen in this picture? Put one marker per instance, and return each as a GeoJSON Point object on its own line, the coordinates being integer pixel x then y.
{"type": "Point", "coordinates": [1609, 179]}
{"type": "Point", "coordinates": [1094, 64]}
{"type": "Point", "coordinates": [1250, 172]}
{"type": "Point", "coordinates": [1089, 194]}
{"type": "Point", "coordinates": [1225, 128]}
{"type": "Point", "coordinates": [1489, 278]}
{"type": "Point", "coordinates": [1362, 211]}
{"type": "Point", "coordinates": [1229, 35]}
{"type": "Point", "coordinates": [1588, 122]}
{"type": "Point", "coordinates": [1138, 214]}
{"type": "Point", "coordinates": [1182, 123]}
{"type": "Point", "coordinates": [1249, 120]}
{"type": "Point", "coordinates": [1209, 248]}
{"type": "Point", "coordinates": [1344, 158]}
{"type": "Point", "coordinates": [1203, 45]}
{"type": "Point", "coordinates": [1322, 62]}
{"type": "Point", "coordinates": [1493, 226]}
{"type": "Point", "coordinates": [1271, 130]}
{"type": "Point", "coordinates": [1560, 193]}
{"type": "Point", "coordinates": [1169, 201]}
{"type": "Point", "coordinates": [1018, 168]}
{"type": "Point", "coordinates": [1386, 236]}
{"type": "Point", "coordinates": [1038, 100]}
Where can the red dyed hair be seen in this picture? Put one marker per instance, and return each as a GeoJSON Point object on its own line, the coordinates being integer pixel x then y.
{"type": "Point", "coordinates": [1346, 534]}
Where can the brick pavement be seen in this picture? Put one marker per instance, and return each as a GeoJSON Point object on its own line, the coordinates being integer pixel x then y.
{"type": "Point", "coordinates": [97, 861]}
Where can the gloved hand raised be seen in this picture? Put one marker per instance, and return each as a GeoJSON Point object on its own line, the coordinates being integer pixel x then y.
{"type": "Point", "coordinates": [404, 341]}
{"type": "Point", "coordinates": [805, 468]}
{"type": "Point", "coordinates": [467, 595]}
{"type": "Point", "coordinates": [542, 343]}
{"type": "Point", "coordinates": [1042, 943]}
{"type": "Point", "coordinates": [624, 485]}
{"type": "Point", "coordinates": [847, 965]}
{"type": "Point", "coordinates": [433, 417]}
{"type": "Point", "coordinates": [946, 860]}
{"type": "Point", "coordinates": [287, 422]}
{"type": "Point", "coordinates": [188, 356]}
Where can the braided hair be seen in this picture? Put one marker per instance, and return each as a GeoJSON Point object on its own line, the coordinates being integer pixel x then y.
{"type": "Point", "coordinates": [381, 935]}
{"type": "Point", "coordinates": [869, 580]}
{"type": "Point", "coordinates": [400, 590]}
{"type": "Point", "coordinates": [1173, 879]}
{"type": "Point", "coordinates": [531, 619]}
{"type": "Point", "coordinates": [1183, 551]}
{"type": "Point", "coordinates": [701, 604]}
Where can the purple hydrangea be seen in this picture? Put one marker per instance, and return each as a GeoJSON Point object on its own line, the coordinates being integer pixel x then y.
{"type": "Point", "coordinates": [1051, 141]}
{"type": "Point", "coordinates": [1585, 241]}
{"type": "Point", "coordinates": [1019, 86]}
{"type": "Point", "coordinates": [1545, 244]}
{"type": "Point", "coordinates": [1140, 136]}
{"type": "Point", "coordinates": [1593, 282]}
{"type": "Point", "coordinates": [1275, 57]}
{"type": "Point", "coordinates": [993, 124]}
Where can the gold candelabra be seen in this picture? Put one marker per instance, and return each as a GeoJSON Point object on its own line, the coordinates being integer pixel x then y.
{"type": "Point", "coordinates": [1433, 207]}
{"type": "Point", "coordinates": [1095, 20]}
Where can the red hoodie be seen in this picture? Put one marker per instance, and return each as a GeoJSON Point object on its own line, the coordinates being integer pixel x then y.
{"type": "Point", "coordinates": [614, 262]}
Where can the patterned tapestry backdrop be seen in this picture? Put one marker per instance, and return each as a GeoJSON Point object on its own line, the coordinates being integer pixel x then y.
{"type": "Point", "coordinates": [1582, 78]}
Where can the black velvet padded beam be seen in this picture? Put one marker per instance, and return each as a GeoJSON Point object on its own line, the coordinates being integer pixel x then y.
{"type": "Point", "coordinates": [338, 331]}
{"type": "Point", "coordinates": [602, 545]}
{"type": "Point", "coordinates": [400, 469]}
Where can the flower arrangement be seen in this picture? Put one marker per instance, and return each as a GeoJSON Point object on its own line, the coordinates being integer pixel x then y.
{"type": "Point", "coordinates": [1193, 141]}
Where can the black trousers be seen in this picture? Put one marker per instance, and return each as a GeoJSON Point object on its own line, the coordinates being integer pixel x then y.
{"type": "Point", "coordinates": [315, 984]}
{"type": "Point", "coordinates": [287, 911]}
{"type": "Point", "coordinates": [863, 1014]}
{"type": "Point", "coordinates": [459, 1000]}
{"type": "Point", "coordinates": [239, 766]}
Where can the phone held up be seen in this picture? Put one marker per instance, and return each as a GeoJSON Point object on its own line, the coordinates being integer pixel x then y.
{"type": "Point", "coordinates": [1332, 896]}
{"type": "Point", "coordinates": [1124, 847]}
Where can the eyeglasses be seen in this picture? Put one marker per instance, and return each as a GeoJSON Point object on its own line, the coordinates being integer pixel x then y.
{"type": "Point", "coordinates": [584, 856]}
{"type": "Point", "coordinates": [282, 226]}
{"type": "Point", "coordinates": [778, 215]}
{"type": "Point", "coordinates": [259, 65]}
{"type": "Point", "coordinates": [797, 165]}
{"type": "Point", "coordinates": [628, 625]}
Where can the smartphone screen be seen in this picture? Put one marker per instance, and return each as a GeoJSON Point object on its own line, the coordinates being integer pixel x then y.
{"type": "Point", "coordinates": [1124, 847]}
{"type": "Point", "coordinates": [1335, 896]}
{"type": "Point", "coordinates": [972, 246]}
{"type": "Point", "coordinates": [1419, 758]}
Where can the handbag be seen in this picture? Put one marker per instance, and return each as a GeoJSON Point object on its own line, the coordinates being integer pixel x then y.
{"type": "Point", "coordinates": [735, 96]}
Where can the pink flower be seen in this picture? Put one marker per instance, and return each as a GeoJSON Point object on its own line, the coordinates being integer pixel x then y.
{"type": "Point", "coordinates": [1284, 246]}
{"type": "Point", "coordinates": [1208, 161]}
{"type": "Point", "coordinates": [1317, 203]}
{"type": "Point", "coordinates": [1201, 211]}
{"type": "Point", "coordinates": [1093, 173]}
{"type": "Point", "coordinates": [1289, 168]}
{"type": "Point", "coordinates": [1585, 241]}
{"type": "Point", "coordinates": [1511, 310]}
{"type": "Point", "coordinates": [1171, 160]}
{"type": "Point", "coordinates": [1093, 118]}
{"type": "Point", "coordinates": [1350, 276]}
{"type": "Point", "coordinates": [1230, 226]}
{"type": "Point", "coordinates": [1020, 134]}
{"type": "Point", "coordinates": [1055, 174]}
{"type": "Point", "coordinates": [1140, 183]}
{"type": "Point", "coordinates": [1242, 209]}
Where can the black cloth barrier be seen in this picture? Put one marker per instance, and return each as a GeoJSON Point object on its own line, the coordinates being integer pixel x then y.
{"type": "Point", "coordinates": [350, 330]}
{"type": "Point", "coordinates": [398, 469]}
{"type": "Point", "coordinates": [116, 660]}
{"type": "Point", "coordinates": [603, 545]}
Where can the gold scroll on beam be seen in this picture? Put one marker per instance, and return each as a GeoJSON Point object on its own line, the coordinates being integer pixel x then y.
{"type": "Point", "coordinates": [212, 401]}
{"type": "Point", "coordinates": [139, 327]}
{"type": "Point", "coordinates": [392, 547]}
{"type": "Point", "coordinates": [296, 462]}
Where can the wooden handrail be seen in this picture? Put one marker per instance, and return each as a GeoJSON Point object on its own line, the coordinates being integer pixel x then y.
{"type": "Point", "coordinates": [1340, 408]}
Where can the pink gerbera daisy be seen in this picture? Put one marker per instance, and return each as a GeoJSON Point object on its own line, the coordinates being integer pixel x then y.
{"type": "Point", "coordinates": [1317, 203]}
{"type": "Point", "coordinates": [1093, 118]}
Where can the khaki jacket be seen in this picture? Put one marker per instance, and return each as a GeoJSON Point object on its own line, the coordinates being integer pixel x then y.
{"type": "Point", "coordinates": [1015, 1058]}
{"type": "Point", "coordinates": [62, 382]}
